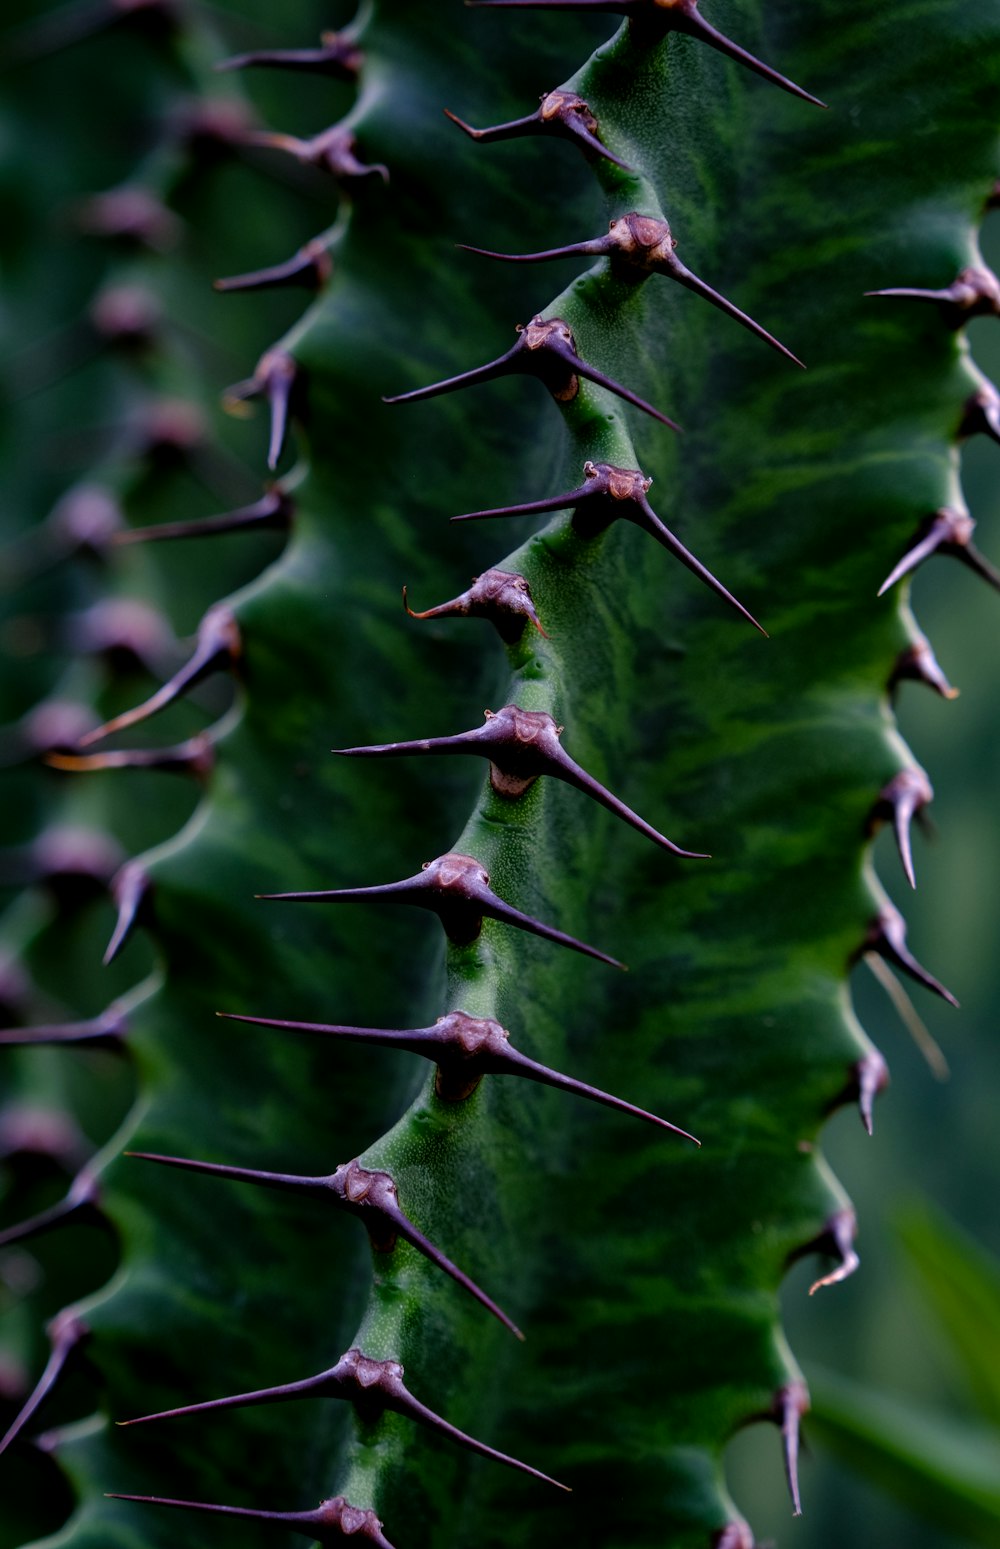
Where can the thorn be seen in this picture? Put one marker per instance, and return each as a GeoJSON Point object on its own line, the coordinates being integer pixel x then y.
{"type": "Point", "coordinates": [501, 596]}
{"type": "Point", "coordinates": [836, 1240]}
{"type": "Point", "coordinates": [639, 246]}
{"type": "Point", "coordinates": [735, 1535]}
{"type": "Point", "coordinates": [456, 888]}
{"type": "Point", "coordinates": [279, 379]}
{"type": "Point", "coordinates": [974, 293]}
{"type": "Point", "coordinates": [790, 1404]}
{"type": "Point", "coordinates": [80, 1201]}
{"type": "Point", "coordinates": [66, 1334]}
{"type": "Point", "coordinates": [918, 662]}
{"type": "Point", "coordinates": [903, 798]}
{"type": "Point", "coordinates": [521, 745]}
{"type": "Point", "coordinates": [545, 349]}
{"type": "Point", "coordinates": [310, 267]}
{"type": "Point", "coordinates": [868, 1079]}
{"type": "Point", "coordinates": [361, 1192]}
{"type": "Point", "coordinates": [131, 889]}
{"type": "Point", "coordinates": [333, 151]}
{"type": "Point", "coordinates": [981, 414]}
{"type": "Point", "coordinates": [946, 532]}
{"type": "Point", "coordinates": [562, 113]}
{"type": "Point", "coordinates": [274, 510]}
{"type": "Point", "coordinates": [372, 1386]}
{"type": "Point", "coordinates": [332, 1521]}
{"type": "Point", "coordinates": [609, 493]}
{"type": "Point", "coordinates": [339, 58]}
{"type": "Point", "coordinates": [129, 214]}
{"type": "Point", "coordinates": [887, 937]}
{"type": "Point", "coordinates": [910, 1018]}
{"type": "Point", "coordinates": [194, 757]}
{"type": "Point", "coordinates": [465, 1049]}
{"type": "Point", "coordinates": [105, 1031]}
{"type": "Point", "coordinates": [652, 20]}
{"type": "Point", "coordinates": [217, 646]}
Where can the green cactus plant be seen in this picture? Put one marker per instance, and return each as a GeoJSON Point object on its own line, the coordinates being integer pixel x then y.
{"type": "Point", "coordinates": [644, 1270]}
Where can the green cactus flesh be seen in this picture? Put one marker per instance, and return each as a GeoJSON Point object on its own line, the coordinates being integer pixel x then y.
{"type": "Point", "coordinates": [643, 1270]}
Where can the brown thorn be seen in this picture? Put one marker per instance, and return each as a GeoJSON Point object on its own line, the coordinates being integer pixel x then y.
{"type": "Point", "coordinates": [465, 1049]}
{"type": "Point", "coordinates": [561, 113]}
{"type": "Point", "coordinates": [194, 757]}
{"type": "Point", "coordinates": [654, 19]}
{"type": "Point", "coordinates": [66, 1334]}
{"type": "Point", "coordinates": [545, 349]}
{"type": "Point", "coordinates": [456, 888]}
{"type": "Point", "coordinates": [917, 662]}
{"type": "Point", "coordinates": [339, 57]}
{"type": "Point", "coordinates": [333, 150]}
{"type": "Point", "coordinates": [836, 1240]}
{"type": "Point", "coordinates": [521, 746]}
{"type": "Point", "coordinates": [501, 596]}
{"type": "Point", "coordinates": [886, 936]}
{"type": "Point", "coordinates": [274, 510]}
{"type": "Point", "coordinates": [217, 646]}
{"type": "Point", "coordinates": [131, 888]}
{"type": "Point", "coordinates": [331, 1522]}
{"type": "Point", "coordinates": [280, 381]}
{"type": "Point", "coordinates": [975, 292]}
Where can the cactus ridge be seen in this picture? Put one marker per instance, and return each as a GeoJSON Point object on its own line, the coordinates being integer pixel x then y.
{"type": "Point", "coordinates": [462, 1148]}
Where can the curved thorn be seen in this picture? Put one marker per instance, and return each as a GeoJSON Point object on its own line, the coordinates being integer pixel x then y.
{"type": "Point", "coordinates": [80, 1199]}
{"type": "Point", "coordinates": [662, 533]}
{"type": "Point", "coordinates": [195, 756]}
{"type": "Point", "coordinates": [130, 889]}
{"type": "Point", "coordinates": [872, 1075]}
{"type": "Point", "coordinates": [310, 267]}
{"type": "Point", "coordinates": [918, 662]}
{"type": "Point", "coordinates": [500, 596]}
{"type": "Point", "coordinates": [684, 277]}
{"type": "Point", "coordinates": [66, 1334]}
{"type": "Point", "coordinates": [903, 798]}
{"type": "Point", "coordinates": [887, 937]}
{"type": "Point", "coordinates": [217, 645]}
{"type": "Point", "coordinates": [790, 1404]}
{"type": "Point", "coordinates": [837, 1240]}
{"type": "Point", "coordinates": [108, 1029]}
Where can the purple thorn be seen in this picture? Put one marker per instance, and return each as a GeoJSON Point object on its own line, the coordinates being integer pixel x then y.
{"type": "Point", "coordinates": [790, 1404]}
{"type": "Point", "coordinates": [131, 888]}
{"type": "Point", "coordinates": [918, 663]}
{"type": "Point", "coordinates": [561, 113]}
{"type": "Point", "coordinates": [66, 1334]}
{"type": "Point", "coordinates": [887, 936]}
{"type": "Point", "coordinates": [465, 1049]}
{"type": "Point", "coordinates": [360, 1191]}
{"type": "Point", "coordinates": [339, 57]}
{"type": "Point", "coordinates": [501, 596]}
{"type": "Point", "coordinates": [274, 510]}
{"type": "Point", "coordinates": [654, 19]}
{"type": "Point", "coordinates": [947, 531]}
{"type": "Point", "coordinates": [903, 798]}
{"type": "Point", "coordinates": [333, 151]}
{"type": "Point", "coordinates": [975, 292]}
{"type": "Point", "coordinates": [330, 1523]}
{"type": "Point", "coordinates": [545, 349]}
{"type": "Point", "coordinates": [194, 757]}
{"type": "Point", "coordinates": [217, 646]}
{"type": "Point", "coordinates": [836, 1240]}
{"type": "Point", "coordinates": [456, 888]}
{"type": "Point", "coordinates": [871, 1077]}
{"type": "Point", "coordinates": [310, 267]}
{"type": "Point", "coordinates": [79, 1202]}
{"type": "Point", "coordinates": [279, 380]}
{"type": "Point", "coordinates": [105, 1031]}
{"type": "Point", "coordinates": [521, 746]}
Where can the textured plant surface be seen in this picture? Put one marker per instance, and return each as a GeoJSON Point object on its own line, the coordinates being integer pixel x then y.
{"type": "Point", "coordinates": [643, 1270]}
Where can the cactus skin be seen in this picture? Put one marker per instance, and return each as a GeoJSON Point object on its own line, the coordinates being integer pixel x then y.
{"type": "Point", "coordinates": [646, 1280]}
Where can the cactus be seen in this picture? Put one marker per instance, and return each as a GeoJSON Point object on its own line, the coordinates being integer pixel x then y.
{"type": "Point", "coordinates": [630, 696]}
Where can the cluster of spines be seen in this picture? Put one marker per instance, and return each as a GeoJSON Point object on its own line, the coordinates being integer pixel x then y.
{"type": "Point", "coordinates": [460, 893]}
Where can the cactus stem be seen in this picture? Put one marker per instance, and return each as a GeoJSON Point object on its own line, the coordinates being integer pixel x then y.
{"type": "Point", "coordinates": [836, 1240]}
{"type": "Point", "coordinates": [456, 888]}
{"type": "Point", "coordinates": [194, 757]}
{"type": "Point", "coordinates": [330, 1523]}
{"type": "Point", "coordinates": [919, 664]}
{"type": "Point", "coordinates": [105, 1031]}
{"type": "Point", "coordinates": [274, 510]}
{"type": "Point", "coordinates": [80, 1201]}
{"type": "Point", "coordinates": [279, 380]}
{"type": "Point", "coordinates": [975, 292]}
{"type": "Point", "coordinates": [310, 267]}
{"type": "Point", "coordinates": [370, 1195]}
{"type": "Point", "coordinates": [946, 532]}
{"type": "Point", "coordinates": [545, 349]}
{"type": "Point", "coordinates": [790, 1404]}
{"type": "Point", "coordinates": [654, 19]}
{"type": "Point", "coordinates": [66, 1334]}
{"type": "Point", "coordinates": [131, 888]}
{"type": "Point", "coordinates": [899, 802]}
{"type": "Point", "coordinates": [609, 493]}
{"type": "Point", "coordinates": [339, 57]}
{"type": "Point", "coordinates": [373, 1387]}
{"type": "Point", "coordinates": [639, 246]}
{"type": "Point", "coordinates": [562, 113]}
{"type": "Point", "coordinates": [217, 645]}
{"type": "Point", "coordinates": [887, 937]}
{"type": "Point", "coordinates": [465, 1049]}
{"type": "Point", "coordinates": [521, 745]}
{"type": "Point", "coordinates": [501, 596]}
{"type": "Point", "coordinates": [333, 151]}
